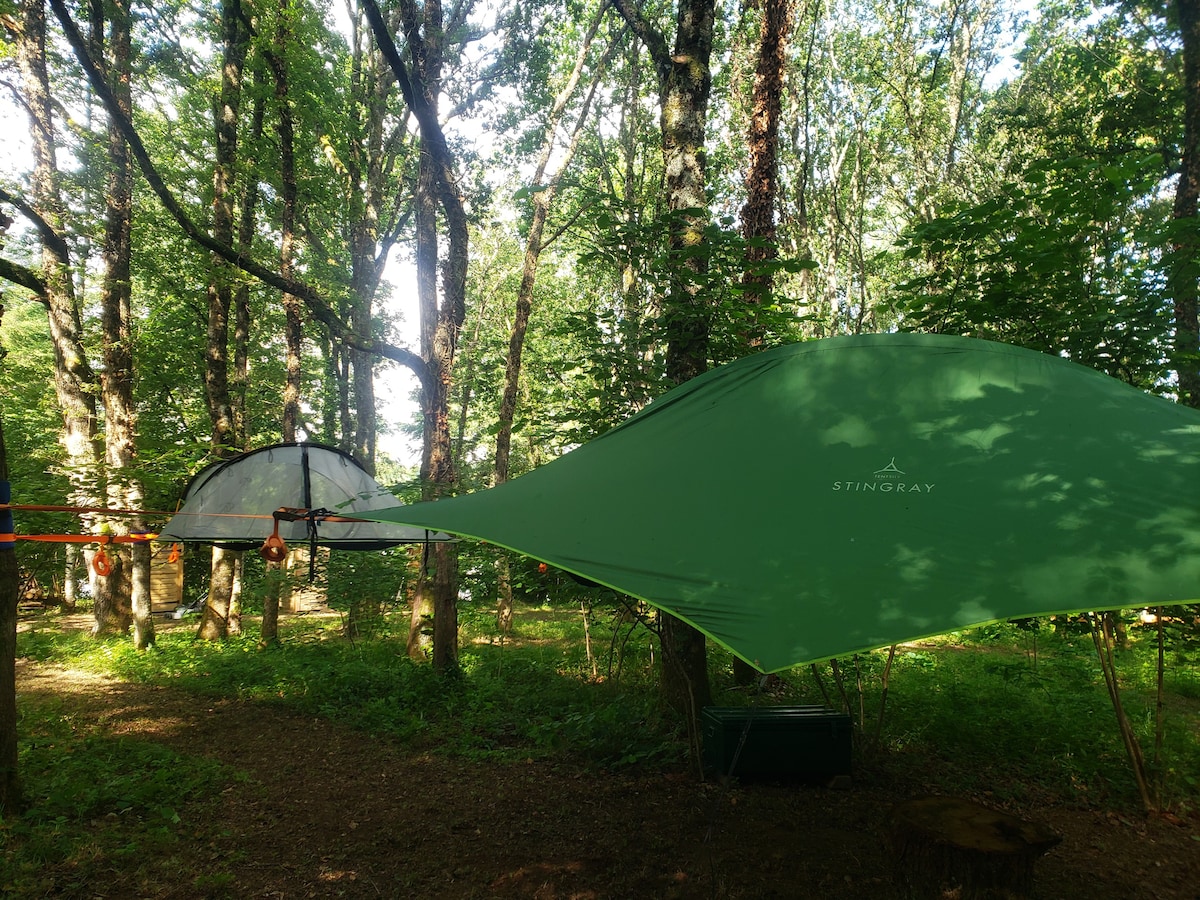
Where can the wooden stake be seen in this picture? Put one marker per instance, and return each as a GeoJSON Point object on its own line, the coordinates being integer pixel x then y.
{"type": "Point", "coordinates": [887, 672]}
{"type": "Point", "coordinates": [1102, 638]}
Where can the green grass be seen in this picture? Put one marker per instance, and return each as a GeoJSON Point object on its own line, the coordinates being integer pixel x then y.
{"type": "Point", "coordinates": [533, 701]}
{"type": "Point", "coordinates": [96, 801]}
{"type": "Point", "coordinates": [990, 711]}
{"type": "Point", "coordinates": [1019, 714]}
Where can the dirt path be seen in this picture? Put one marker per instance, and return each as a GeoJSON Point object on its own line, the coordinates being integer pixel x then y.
{"type": "Point", "coordinates": [327, 812]}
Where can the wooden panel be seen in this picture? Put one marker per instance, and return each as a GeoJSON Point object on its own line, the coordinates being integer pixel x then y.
{"type": "Point", "coordinates": [166, 578]}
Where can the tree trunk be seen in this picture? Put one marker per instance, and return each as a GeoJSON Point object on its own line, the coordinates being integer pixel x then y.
{"type": "Point", "coordinates": [762, 178]}
{"type": "Point", "coordinates": [762, 184]}
{"type": "Point", "coordinates": [71, 560]}
{"type": "Point", "coordinates": [423, 606]}
{"type": "Point", "coordinates": [504, 593]}
{"type": "Point", "coordinates": [140, 599]}
{"type": "Point", "coordinates": [241, 296]}
{"type": "Point", "coordinates": [685, 81]}
{"type": "Point", "coordinates": [425, 44]}
{"type": "Point", "coordinates": [420, 627]}
{"type": "Point", "coordinates": [234, 619]}
{"type": "Point", "coordinates": [1184, 267]}
{"type": "Point", "coordinates": [73, 376]}
{"type": "Point", "coordinates": [440, 464]}
{"type": "Point", "coordinates": [445, 607]}
{"type": "Point", "coordinates": [269, 632]}
{"type": "Point", "coordinates": [214, 624]}
{"type": "Point", "coordinates": [289, 193]}
{"type": "Point", "coordinates": [222, 276]}
{"type": "Point", "coordinates": [120, 412]}
{"type": "Point", "coordinates": [685, 684]}
{"type": "Point", "coordinates": [10, 782]}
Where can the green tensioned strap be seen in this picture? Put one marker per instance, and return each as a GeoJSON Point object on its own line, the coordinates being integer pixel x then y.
{"type": "Point", "coordinates": [851, 493]}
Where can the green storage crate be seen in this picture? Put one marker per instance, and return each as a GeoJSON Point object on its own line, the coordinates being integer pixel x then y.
{"type": "Point", "coordinates": [810, 743]}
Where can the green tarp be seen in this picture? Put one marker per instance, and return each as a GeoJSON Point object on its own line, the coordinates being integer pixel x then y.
{"type": "Point", "coordinates": [850, 493]}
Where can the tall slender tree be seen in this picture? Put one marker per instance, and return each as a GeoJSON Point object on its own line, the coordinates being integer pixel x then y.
{"type": "Point", "coordinates": [684, 83]}
{"type": "Point", "coordinates": [235, 42]}
{"type": "Point", "coordinates": [120, 415]}
{"type": "Point", "coordinates": [1184, 264]}
{"type": "Point", "coordinates": [10, 782]}
{"type": "Point", "coordinates": [425, 32]}
{"type": "Point", "coordinates": [759, 212]}
{"type": "Point", "coordinates": [541, 191]}
{"type": "Point", "coordinates": [375, 158]}
{"type": "Point", "coordinates": [74, 379]}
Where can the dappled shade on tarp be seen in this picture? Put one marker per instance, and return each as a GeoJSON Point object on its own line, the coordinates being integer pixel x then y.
{"type": "Point", "coordinates": [854, 492]}
{"type": "Point", "coordinates": [232, 502]}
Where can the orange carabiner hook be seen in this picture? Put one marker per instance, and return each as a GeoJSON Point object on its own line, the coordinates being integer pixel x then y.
{"type": "Point", "coordinates": [100, 564]}
{"type": "Point", "coordinates": [273, 548]}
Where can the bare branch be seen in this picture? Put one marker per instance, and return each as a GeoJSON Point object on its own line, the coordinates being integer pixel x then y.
{"type": "Point", "coordinates": [25, 277]}
{"type": "Point", "coordinates": [648, 35]}
{"type": "Point", "coordinates": [49, 236]}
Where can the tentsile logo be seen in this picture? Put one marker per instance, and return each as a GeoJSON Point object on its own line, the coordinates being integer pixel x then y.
{"type": "Point", "coordinates": [890, 472]}
{"type": "Point", "coordinates": [891, 479]}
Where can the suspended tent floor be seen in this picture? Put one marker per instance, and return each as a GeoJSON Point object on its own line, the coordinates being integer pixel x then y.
{"type": "Point", "coordinates": [294, 493]}
{"type": "Point", "coordinates": [297, 494]}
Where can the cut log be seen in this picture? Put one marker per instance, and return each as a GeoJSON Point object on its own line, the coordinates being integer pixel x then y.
{"type": "Point", "coordinates": [947, 848]}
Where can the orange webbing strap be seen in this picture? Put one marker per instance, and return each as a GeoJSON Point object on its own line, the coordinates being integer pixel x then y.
{"type": "Point", "coordinates": [85, 538]}
{"type": "Point", "coordinates": [32, 507]}
{"type": "Point", "coordinates": [101, 564]}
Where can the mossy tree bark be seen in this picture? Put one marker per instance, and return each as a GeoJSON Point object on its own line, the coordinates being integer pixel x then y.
{"type": "Point", "coordinates": [684, 84]}
{"type": "Point", "coordinates": [1184, 271]}
{"type": "Point", "coordinates": [438, 187]}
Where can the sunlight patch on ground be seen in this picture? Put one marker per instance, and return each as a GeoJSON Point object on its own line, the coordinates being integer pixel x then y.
{"type": "Point", "coordinates": [332, 875]}
{"type": "Point", "coordinates": [61, 678]}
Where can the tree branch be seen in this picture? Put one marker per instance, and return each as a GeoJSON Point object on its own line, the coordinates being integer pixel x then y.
{"type": "Point", "coordinates": [317, 305]}
{"type": "Point", "coordinates": [51, 238]}
{"type": "Point", "coordinates": [431, 129]}
{"type": "Point", "coordinates": [648, 35]}
{"type": "Point", "coordinates": [434, 142]}
{"type": "Point", "coordinates": [25, 277]}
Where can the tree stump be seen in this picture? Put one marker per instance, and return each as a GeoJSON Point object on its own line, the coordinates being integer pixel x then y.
{"type": "Point", "coordinates": [951, 849]}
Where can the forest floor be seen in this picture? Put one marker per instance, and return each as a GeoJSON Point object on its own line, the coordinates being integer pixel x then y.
{"type": "Point", "coordinates": [319, 810]}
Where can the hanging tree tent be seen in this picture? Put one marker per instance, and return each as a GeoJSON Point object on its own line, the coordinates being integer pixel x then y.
{"type": "Point", "coordinates": [297, 493]}
{"type": "Point", "coordinates": [850, 493]}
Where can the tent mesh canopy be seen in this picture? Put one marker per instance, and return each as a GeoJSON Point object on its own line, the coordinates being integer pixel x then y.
{"type": "Point", "coordinates": [849, 493]}
{"type": "Point", "coordinates": [232, 503]}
